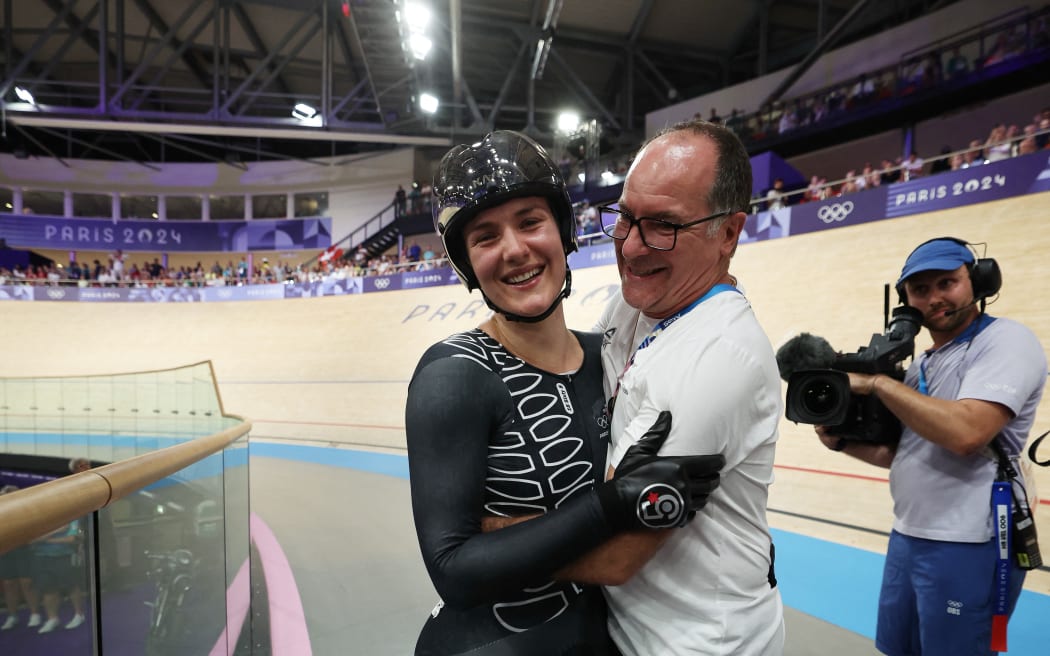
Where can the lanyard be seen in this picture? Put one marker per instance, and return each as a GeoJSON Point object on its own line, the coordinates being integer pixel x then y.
{"type": "Point", "coordinates": [663, 325]}
{"type": "Point", "coordinates": [974, 329]}
{"type": "Point", "coordinates": [660, 327]}
{"type": "Point", "coordinates": [1002, 500]}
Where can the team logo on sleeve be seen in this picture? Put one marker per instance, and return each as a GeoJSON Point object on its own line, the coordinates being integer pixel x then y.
{"type": "Point", "coordinates": [660, 506]}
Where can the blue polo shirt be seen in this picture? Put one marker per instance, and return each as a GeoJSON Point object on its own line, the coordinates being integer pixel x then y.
{"type": "Point", "coordinates": [938, 495]}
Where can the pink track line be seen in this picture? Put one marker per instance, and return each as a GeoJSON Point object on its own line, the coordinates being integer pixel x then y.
{"type": "Point", "coordinates": [238, 601]}
{"type": "Point", "coordinates": [288, 633]}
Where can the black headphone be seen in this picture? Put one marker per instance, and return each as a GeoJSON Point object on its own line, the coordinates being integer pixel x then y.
{"type": "Point", "coordinates": [985, 275]}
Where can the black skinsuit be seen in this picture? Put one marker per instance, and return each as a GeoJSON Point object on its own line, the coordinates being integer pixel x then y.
{"type": "Point", "coordinates": [491, 435]}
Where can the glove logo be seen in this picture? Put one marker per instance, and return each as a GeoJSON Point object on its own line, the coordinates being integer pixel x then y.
{"type": "Point", "coordinates": [661, 506]}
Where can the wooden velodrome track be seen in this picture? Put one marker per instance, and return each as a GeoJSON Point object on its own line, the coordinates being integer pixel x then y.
{"type": "Point", "coordinates": [334, 371]}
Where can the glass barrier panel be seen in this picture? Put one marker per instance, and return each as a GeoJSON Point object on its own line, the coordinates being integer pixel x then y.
{"type": "Point", "coordinates": [146, 399]}
{"type": "Point", "coordinates": [237, 513]}
{"type": "Point", "coordinates": [99, 408]}
{"type": "Point", "coordinates": [166, 576]}
{"type": "Point", "coordinates": [49, 583]}
{"type": "Point", "coordinates": [138, 207]}
{"type": "Point", "coordinates": [313, 203]}
{"type": "Point", "coordinates": [48, 203]}
{"type": "Point", "coordinates": [226, 207]}
{"type": "Point", "coordinates": [270, 206]}
{"type": "Point", "coordinates": [170, 557]}
{"type": "Point", "coordinates": [125, 415]}
{"type": "Point", "coordinates": [183, 208]}
{"type": "Point", "coordinates": [47, 393]}
{"type": "Point", "coordinates": [92, 205]}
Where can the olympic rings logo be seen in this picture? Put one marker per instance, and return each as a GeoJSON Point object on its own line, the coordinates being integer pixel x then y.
{"type": "Point", "coordinates": [382, 283]}
{"type": "Point", "coordinates": [835, 212]}
{"type": "Point", "coordinates": [56, 293]}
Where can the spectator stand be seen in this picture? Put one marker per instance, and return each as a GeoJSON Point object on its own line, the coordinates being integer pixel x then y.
{"type": "Point", "coordinates": [963, 158]}
{"type": "Point", "coordinates": [340, 263]}
{"type": "Point", "coordinates": [999, 56]}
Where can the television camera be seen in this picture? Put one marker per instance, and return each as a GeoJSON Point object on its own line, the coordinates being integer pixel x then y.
{"type": "Point", "coordinates": [818, 383]}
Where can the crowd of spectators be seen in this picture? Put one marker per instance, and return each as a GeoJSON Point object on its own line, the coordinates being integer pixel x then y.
{"type": "Point", "coordinates": [116, 271]}
{"type": "Point", "coordinates": [234, 272]}
{"type": "Point", "coordinates": [1001, 143]}
{"type": "Point", "coordinates": [913, 74]}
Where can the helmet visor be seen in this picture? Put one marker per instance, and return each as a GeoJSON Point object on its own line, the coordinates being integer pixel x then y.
{"type": "Point", "coordinates": [502, 165]}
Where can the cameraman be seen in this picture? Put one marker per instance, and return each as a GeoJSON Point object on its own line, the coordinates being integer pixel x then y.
{"type": "Point", "coordinates": [982, 379]}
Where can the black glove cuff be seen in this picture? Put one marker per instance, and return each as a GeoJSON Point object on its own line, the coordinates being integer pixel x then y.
{"type": "Point", "coordinates": [609, 499]}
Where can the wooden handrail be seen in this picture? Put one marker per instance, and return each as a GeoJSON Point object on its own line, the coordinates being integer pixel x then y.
{"type": "Point", "coordinates": [30, 513]}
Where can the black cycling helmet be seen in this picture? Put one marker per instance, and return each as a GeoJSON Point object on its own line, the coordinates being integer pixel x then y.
{"type": "Point", "coordinates": [472, 178]}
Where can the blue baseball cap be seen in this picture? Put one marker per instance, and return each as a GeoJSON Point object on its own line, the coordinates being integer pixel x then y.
{"type": "Point", "coordinates": [936, 255]}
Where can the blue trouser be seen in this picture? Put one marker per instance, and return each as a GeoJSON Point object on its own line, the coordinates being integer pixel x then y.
{"type": "Point", "coordinates": [938, 597]}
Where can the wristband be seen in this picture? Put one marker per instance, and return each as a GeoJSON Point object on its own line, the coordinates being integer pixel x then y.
{"type": "Point", "coordinates": [840, 445]}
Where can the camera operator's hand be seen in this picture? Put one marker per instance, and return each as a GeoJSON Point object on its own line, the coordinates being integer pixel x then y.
{"type": "Point", "coordinates": [862, 384]}
{"type": "Point", "coordinates": [649, 491]}
{"type": "Point", "coordinates": [830, 440]}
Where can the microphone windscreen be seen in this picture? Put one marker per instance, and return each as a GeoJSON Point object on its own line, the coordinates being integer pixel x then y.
{"type": "Point", "coordinates": [802, 352]}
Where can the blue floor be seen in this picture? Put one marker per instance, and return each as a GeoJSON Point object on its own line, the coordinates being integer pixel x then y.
{"type": "Point", "coordinates": [840, 584]}
{"type": "Point", "coordinates": [830, 581]}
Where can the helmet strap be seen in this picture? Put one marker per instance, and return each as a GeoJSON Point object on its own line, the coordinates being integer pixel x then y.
{"type": "Point", "coordinates": [510, 316]}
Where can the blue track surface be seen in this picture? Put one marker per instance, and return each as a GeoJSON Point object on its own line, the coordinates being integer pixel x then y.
{"type": "Point", "coordinates": [833, 582]}
{"type": "Point", "coordinates": [827, 580]}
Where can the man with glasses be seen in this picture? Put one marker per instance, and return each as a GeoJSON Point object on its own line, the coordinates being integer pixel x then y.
{"type": "Point", "coordinates": [681, 336]}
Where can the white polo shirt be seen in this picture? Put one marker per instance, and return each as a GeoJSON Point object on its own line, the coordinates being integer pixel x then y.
{"type": "Point", "coordinates": [707, 590]}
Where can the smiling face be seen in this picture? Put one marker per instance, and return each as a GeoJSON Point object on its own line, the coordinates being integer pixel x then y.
{"type": "Point", "coordinates": [671, 179]}
{"type": "Point", "coordinates": [945, 299]}
{"type": "Point", "coordinates": [516, 252]}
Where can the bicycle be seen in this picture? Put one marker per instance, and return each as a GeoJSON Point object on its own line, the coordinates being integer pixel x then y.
{"type": "Point", "coordinates": [173, 573]}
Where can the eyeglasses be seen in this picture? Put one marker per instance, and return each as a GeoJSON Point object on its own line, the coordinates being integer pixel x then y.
{"type": "Point", "coordinates": [657, 234]}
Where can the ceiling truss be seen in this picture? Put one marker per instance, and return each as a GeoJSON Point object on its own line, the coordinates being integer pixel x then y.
{"type": "Point", "coordinates": [243, 64]}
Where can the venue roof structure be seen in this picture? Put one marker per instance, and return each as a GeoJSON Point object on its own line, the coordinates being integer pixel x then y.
{"type": "Point", "coordinates": [162, 81]}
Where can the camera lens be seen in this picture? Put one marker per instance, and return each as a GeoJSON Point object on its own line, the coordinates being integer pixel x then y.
{"type": "Point", "coordinates": [820, 398]}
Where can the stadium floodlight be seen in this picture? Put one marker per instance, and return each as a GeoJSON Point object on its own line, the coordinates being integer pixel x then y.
{"type": "Point", "coordinates": [568, 122]}
{"type": "Point", "coordinates": [303, 112]}
{"type": "Point", "coordinates": [417, 16]}
{"type": "Point", "coordinates": [24, 95]}
{"type": "Point", "coordinates": [428, 102]}
{"type": "Point", "coordinates": [420, 45]}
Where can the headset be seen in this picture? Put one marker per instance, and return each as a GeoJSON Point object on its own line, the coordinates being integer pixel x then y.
{"type": "Point", "coordinates": [985, 275]}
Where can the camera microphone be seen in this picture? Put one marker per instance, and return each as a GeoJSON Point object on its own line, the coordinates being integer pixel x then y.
{"type": "Point", "coordinates": [804, 352]}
